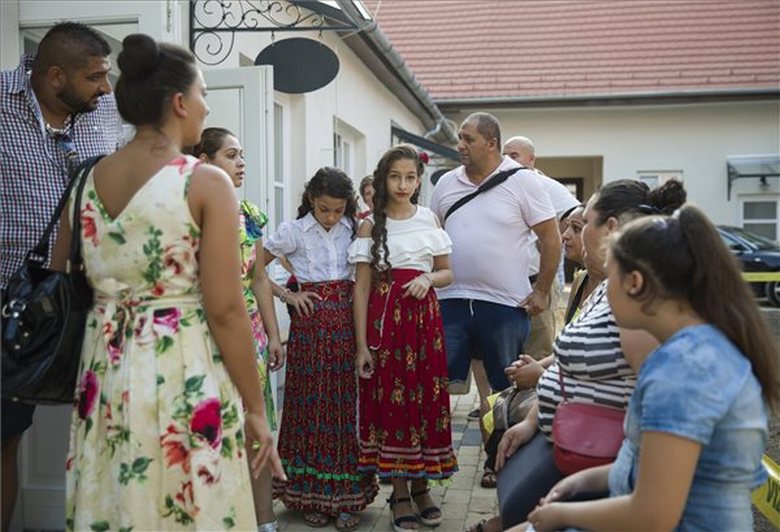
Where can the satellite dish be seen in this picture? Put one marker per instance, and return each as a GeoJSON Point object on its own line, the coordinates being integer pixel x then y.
{"type": "Point", "coordinates": [300, 65]}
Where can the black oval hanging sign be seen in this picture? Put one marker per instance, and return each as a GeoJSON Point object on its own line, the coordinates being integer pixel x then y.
{"type": "Point", "coordinates": [300, 65]}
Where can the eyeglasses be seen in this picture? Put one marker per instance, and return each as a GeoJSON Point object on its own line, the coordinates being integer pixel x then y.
{"type": "Point", "coordinates": [68, 146]}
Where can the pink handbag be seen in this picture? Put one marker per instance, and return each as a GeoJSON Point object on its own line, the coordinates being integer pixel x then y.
{"type": "Point", "coordinates": [585, 435]}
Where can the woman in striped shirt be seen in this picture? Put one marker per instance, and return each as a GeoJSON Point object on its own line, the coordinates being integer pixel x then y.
{"type": "Point", "coordinates": [592, 353]}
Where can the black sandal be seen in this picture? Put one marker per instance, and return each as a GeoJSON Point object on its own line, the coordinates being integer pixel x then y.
{"type": "Point", "coordinates": [398, 521]}
{"type": "Point", "coordinates": [427, 515]}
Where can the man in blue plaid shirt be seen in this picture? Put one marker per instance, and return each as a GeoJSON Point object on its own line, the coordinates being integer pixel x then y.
{"type": "Point", "coordinates": [57, 110]}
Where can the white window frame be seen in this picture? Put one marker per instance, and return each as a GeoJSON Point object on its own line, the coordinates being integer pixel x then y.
{"type": "Point", "coordinates": [759, 198]}
{"type": "Point", "coordinates": [349, 146]}
{"type": "Point", "coordinates": [281, 182]}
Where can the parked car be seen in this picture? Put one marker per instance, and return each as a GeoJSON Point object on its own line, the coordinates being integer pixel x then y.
{"type": "Point", "coordinates": [757, 254]}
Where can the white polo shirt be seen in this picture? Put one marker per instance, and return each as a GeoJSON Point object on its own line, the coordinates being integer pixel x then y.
{"type": "Point", "coordinates": [491, 235]}
{"type": "Point", "coordinates": [562, 200]}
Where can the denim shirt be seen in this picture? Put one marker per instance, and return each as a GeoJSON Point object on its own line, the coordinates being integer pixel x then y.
{"type": "Point", "coordinates": [699, 386]}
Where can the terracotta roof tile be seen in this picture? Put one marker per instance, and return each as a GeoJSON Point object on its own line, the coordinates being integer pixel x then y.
{"type": "Point", "coordinates": [463, 49]}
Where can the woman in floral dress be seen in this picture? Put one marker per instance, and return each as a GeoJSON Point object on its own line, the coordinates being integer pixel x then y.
{"type": "Point", "coordinates": [158, 431]}
{"type": "Point", "coordinates": [220, 147]}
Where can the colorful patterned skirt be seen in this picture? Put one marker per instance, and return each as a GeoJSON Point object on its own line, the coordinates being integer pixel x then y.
{"type": "Point", "coordinates": [404, 406]}
{"type": "Point", "coordinates": [318, 440]}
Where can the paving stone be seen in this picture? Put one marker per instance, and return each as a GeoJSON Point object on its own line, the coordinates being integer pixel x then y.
{"type": "Point", "coordinates": [457, 497]}
{"type": "Point", "coordinates": [483, 505]}
{"type": "Point", "coordinates": [454, 511]}
{"type": "Point", "coordinates": [463, 502]}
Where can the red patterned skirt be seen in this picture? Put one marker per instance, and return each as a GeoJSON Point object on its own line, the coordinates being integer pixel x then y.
{"type": "Point", "coordinates": [404, 406]}
{"type": "Point", "coordinates": [318, 440]}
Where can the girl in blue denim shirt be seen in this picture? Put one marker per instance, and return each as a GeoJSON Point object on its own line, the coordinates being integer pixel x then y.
{"type": "Point", "coordinates": [699, 410]}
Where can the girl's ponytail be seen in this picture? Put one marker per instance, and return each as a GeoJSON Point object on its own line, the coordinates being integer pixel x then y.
{"type": "Point", "coordinates": [723, 298]}
{"type": "Point", "coordinates": [684, 257]}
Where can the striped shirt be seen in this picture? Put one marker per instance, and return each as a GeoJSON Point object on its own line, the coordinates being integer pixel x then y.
{"type": "Point", "coordinates": [33, 166]}
{"type": "Point", "coordinates": [595, 371]}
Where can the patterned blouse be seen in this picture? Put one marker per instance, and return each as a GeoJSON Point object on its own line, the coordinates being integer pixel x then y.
{"type": "Point", "coordinates": [250, 230]}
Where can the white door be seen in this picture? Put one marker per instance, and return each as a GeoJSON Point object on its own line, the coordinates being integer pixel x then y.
{"type": "Point", "coordinates": [242, 101]}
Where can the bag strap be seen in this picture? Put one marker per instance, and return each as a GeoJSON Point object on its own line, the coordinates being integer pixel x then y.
{"type": "Point", "coordinates": [575, 303]}
{"type": "Point", "coordinates": [484, 187]}
{"type": "Point", "coordinates": [75, 258]}
{"type": "Point", "coordinates": [40, 253]}
{"type": "Point", "coordinates": [560, 383]}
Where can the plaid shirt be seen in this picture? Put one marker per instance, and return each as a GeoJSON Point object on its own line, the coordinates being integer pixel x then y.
{"type": "Point", "coordinates": [33, 166]}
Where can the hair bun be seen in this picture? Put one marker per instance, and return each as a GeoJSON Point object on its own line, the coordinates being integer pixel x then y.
{"type": "Point", "coordinates": [668, 197]}
{"type": "Point", "coordinates": [139, 57]}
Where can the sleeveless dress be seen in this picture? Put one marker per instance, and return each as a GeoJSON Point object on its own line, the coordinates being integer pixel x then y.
{"type": "Point", "coordinates": [157, 435]}
{"type": "Point", "coordinates": [252, 221]}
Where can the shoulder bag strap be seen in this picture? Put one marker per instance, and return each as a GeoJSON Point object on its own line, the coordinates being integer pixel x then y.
{"type": "Point", "coordinates": [575, 303]}
{"type": "Point", "coordinates": [40, 253]}
{"type": "Point", "coordinates": [74, 258]}
{"type": "Point", "coordinates": [560, 383]}
{"type": "Point", "coordinates": [484, 187]}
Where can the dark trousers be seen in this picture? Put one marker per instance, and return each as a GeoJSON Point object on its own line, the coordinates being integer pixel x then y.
{"type": "Point", "coordinates": [527, 476]}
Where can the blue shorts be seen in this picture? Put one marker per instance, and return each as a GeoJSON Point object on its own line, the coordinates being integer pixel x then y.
{"type": "Point", "coordinates": [480, 329]}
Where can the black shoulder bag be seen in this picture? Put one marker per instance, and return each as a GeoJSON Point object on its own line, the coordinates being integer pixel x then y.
{"type": "Point", "coordinates": [45, 313]}
{"type": "Point", "coordinates": [484, 187]}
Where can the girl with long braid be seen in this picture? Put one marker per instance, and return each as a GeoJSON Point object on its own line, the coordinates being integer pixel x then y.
{"type": "Point", "coordinates": [402, 253]}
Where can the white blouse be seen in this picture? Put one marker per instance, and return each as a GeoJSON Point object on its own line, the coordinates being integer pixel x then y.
{"type": "Point", "coordinates": [412, 243]}
{"type": "Point", "coordinates": [316, 255]}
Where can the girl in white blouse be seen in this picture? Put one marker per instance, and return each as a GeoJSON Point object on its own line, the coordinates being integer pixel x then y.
{"type": "Point", "coordinates": [318, 440]}
{"type": "Point", "coordinates": [401, 253]}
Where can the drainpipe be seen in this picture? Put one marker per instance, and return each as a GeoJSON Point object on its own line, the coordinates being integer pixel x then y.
{"type": "Point", "coordinates": [371, 31]}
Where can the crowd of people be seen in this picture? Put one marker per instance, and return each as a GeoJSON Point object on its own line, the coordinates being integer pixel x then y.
{"type": "Point", "coordinates": [173, 414]}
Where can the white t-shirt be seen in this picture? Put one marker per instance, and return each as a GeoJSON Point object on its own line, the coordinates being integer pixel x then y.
{"type": "Point", "coordinates": [412, 243]}
{"type": "Point", "coordinates": [562, 200]}
{"type": "Point", "coordinates": [491, 234]}
{"type": "Point", "coordinates": [316, 255]}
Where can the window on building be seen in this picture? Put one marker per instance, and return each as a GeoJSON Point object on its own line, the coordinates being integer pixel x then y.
{"type": "Point", "coordinates": [348, 149]}
{"type": "Point", "coordinates": [656, 178]}
{"type": "Point", "coordinates": [280, 183]}
{"type": "Point", "coordinates": [760, 215]}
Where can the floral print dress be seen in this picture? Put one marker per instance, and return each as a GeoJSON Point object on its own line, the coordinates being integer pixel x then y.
{"type": "Point", "coordinates": [252, 221]}
{"type": "Point", "coordinates": [156, 440]}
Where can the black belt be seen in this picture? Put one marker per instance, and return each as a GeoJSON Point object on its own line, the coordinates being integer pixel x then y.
{"type": "Point", "coordinates": [532, 278]}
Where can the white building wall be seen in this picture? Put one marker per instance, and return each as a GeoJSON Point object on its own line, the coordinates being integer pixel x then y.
{"type": "Point", "coordinates": [694, 138]}
{"type": "Point", "coordinates": [355, 96]}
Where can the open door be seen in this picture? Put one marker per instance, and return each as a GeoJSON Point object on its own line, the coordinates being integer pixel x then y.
{"type": "Point", "coordinates": [241, 100]}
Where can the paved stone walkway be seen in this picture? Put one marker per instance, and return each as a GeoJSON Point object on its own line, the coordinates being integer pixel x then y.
{"type": "Point", "coordinates": [463, 503]}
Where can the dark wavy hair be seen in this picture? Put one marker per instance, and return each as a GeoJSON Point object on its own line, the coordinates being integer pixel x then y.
{"type": "Point", "coordinates": [379, 230]}
{"type": "Point", "coordinates": [683, 257]}
{"type": "Point", "coordinates": [626, 199]}
{"type": "Point", "coordinates": [151, 74]}
{"type": "Point", "coordinates": [211, 141]}
{"type": "Point", "coordinates": [331, 182]}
